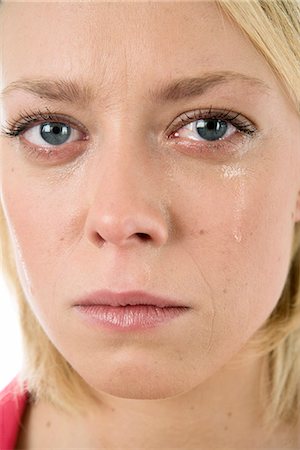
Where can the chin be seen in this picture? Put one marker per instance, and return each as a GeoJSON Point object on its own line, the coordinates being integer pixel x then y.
{"type": "Point", "coordinates": [140, 388]}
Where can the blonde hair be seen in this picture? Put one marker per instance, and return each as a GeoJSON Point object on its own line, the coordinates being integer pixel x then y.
{"type": "Point", "coordinates": [274, 29]}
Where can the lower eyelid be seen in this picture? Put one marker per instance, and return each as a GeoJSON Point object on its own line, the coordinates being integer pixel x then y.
{"type": "Point", "coordinates": [217, 151]}
{"type": "Point", "coordinates": [53, 155]}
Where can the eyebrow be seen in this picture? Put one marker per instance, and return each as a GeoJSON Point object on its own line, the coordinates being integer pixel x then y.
{"type": "Point", "coordinates": [79, 91]}
{"type": "Point", "coordinates": [60, 90]}
{"type": "Point", "coordinates": [191, 87]}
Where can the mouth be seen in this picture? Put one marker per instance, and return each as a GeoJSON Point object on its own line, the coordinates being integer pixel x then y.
{"type": "Point", "coordinates": [128, 311]}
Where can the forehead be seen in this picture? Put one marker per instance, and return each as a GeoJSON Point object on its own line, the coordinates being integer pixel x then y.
{"type": "Point", "coordinates": [123, 44]}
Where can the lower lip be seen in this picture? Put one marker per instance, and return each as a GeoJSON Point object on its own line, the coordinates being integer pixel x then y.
{"type": "Point", "coordinates": [129, 318]}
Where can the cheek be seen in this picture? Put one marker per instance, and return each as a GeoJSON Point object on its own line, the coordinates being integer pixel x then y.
{"type": "Point", "coordinates": [37, 222]}
{"type": "Point", "coordinates": [239, 237]}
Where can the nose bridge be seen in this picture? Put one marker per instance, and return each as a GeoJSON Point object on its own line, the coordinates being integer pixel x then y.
{"type": "Point", "coordinates": [125, 204]}
{"type": "Point", "coordinates": [122, 182]}
{"type": "Point", "coordinates": [125, 160]}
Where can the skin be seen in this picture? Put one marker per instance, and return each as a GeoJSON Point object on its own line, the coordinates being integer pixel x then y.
{"type": "Point", "coordinates": [219, 224]}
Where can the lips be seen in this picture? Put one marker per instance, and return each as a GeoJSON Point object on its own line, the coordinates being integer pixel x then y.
{"type": "Point", "coordinates": [132, 298]}
{"type": "Point", "coordinates": [132, 311]}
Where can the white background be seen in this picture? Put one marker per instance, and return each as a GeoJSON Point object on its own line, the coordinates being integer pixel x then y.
{"type": "Point", "coordinates": [10, 336]}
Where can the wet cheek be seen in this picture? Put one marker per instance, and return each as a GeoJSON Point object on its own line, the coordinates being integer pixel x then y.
{"type": "Point", "coordinates": [258, 264]}
{"type": "Point", "coordinates": [239, 247]}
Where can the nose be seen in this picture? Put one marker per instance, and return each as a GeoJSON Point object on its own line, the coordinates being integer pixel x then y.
{"type": "Point", "coordinates": [127, 205]}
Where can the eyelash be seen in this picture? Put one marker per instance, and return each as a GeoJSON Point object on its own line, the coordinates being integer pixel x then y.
{"type": "Point", "coordinates": [241, 124]}
{"type": "Point", "coordinates": [14, 128]}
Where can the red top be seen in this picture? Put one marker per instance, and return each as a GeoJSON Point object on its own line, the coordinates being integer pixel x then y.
{"type": "Point", "coordinates": [12, 408]}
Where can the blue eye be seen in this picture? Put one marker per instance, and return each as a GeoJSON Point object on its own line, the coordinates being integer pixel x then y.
{"type": "Point", "coordinates": [48, 137]}
{"type": "Point", "coordinates": [44, 129]}
{"type": "Point", "coordinates": [211, 129]}
{"type": "Point", "coordinates": [55, 133]}
{"type": "Point", "coordinates": [210, 126]}
{"type": "Point", "coordinates": [51, 134]}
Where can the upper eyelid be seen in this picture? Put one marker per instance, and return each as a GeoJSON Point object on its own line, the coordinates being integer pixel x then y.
{"type": "Point", "coordinates": [59, 119]}
{"type": "Point", "coordinates": [28, 120]}
{"type": "Point", "coordinates": [230, 116]}
{"type": "Point", "coordinates": [33, 118]}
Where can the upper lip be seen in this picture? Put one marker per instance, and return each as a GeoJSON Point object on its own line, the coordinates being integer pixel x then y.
{"type": "Point", "coordinates": [110, 298]}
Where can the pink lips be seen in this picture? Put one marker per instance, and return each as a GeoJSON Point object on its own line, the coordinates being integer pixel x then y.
{"type": "Point", "coordinates": [110, 298]}
{"type": "Point", "coordinates": [125, 311]}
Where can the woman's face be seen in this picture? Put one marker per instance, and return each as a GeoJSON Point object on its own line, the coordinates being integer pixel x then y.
{"type": "Point", "coordinates": [216, 200]}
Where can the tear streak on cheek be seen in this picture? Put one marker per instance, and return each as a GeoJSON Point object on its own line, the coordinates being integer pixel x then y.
{"type": "Point", "coordinates": [238, 173]}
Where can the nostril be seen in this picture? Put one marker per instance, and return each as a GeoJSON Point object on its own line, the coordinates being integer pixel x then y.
{"type": "Point", "coordinates": [99, 240]}
{"type": "Point", "coordinates": [143, 236]}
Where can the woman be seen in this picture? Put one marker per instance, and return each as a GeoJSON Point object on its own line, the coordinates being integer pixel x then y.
{"type": "Point", "coordinates": [150, 188]}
